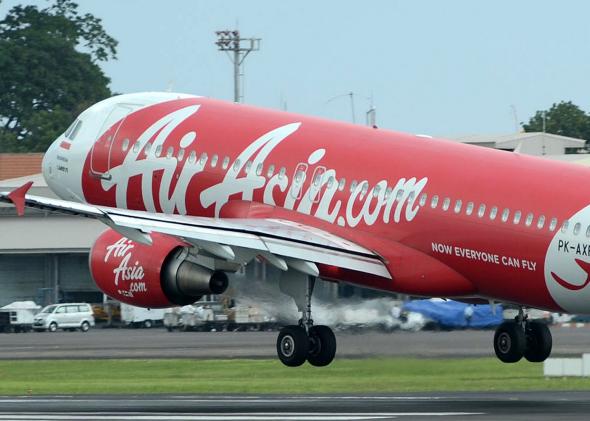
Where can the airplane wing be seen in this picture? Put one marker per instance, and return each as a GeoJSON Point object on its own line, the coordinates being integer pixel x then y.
{"type": "Point", "coordinates": [282, 243]}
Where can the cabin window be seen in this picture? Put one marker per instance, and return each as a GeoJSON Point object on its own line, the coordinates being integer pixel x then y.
{"type": "Point", "coordinates": [469, 209]}
{"type": "Point", "coordinates": [271, 171]}
{"type": "Point", "coordinates": [529, 219]}
{"type": "Point", "coordinates": [341, 184]}
{"type": "Point", "coordinates": [388, 192]}
{"type": "Point", "coordinates": [493, 213]}
{"type": "Point", "coordinates": [169, 152]}
{"type": "Point", "coordinates": [192, 157]}
{"type": "Point", "coordinates": [541, 222]}
{"type": "Point", "coordinates": [148, 146]}
{"type": "Point", "coordinates": [423, 198]}
{"type": "Point", "coordinates": [330, 182]}
{"type": "Point", "coordinates": [158, 150]}
{"type": "Point", "coordinates": [203, 159]}
{"type": "Point", "coordinates": [214, 160]}
{"type": "Point", "coordinates": [577, 228]}
{"type": "Point", "coordinates": [588, 231]}
{"type": "Point", "coordinates": [553, 224]}
{"type": "Point", "coordinates": [299, 176]}
{"type": "Point", "coordinates": [458, 205]}
{"type": "Point", "coordinates": [365, 188]}
{"type": "Point", "coordinates": [282, 172]}
{"type": "Point", "coordinates": [399, 195]}
{"type": "Point", "coordinates": [225, 163]}
{"type": "Point", "coordinates": [376, 190]}
{"type": "Point", "coordinates": [565, 226]}
{"type": "Point", "coordinates": [125, 144]}
{"type": "Point", "coordinates": [446, 204]}
{"type": "Point", "coordinates": [236, 166]}
{"type": "Point", "coordinates": [136, 147]}
{"type": "Point", "coordinates": [248, 166]}
{"type": "Point", "coordinates": [259, 169]}
{"type": "Point", "coordinates": [505, 214]}
{"type": "Point", "coordinates": [353, 185]}
{"type": "Point", "coordinates": [481, 211]}
{"type": "Point", "coordinates": [411, 197]}
{"type": "Point", "coordinates": [517, 216]}
{"type": "Point", "coordinates": [434, 202]}
{"type": "Point", "coordinates": [180, 154]}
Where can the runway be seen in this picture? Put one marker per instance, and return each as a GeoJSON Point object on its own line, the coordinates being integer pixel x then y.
{"type": "Point", "coordinates": [158, 343]}
{"type": "Point", "coordinates": [468, 406]}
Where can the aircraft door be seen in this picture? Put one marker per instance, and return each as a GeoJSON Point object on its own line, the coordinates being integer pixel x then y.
{"type": "Point", "coordinates": [317, 184]}
{"type": "Point", "coordinates": [109, 133]}
{"type": "Point", "coordinates": [299, 180]}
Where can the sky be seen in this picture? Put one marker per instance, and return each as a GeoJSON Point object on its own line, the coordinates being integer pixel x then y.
{"type": "Point", "coordinates": [433, 67]}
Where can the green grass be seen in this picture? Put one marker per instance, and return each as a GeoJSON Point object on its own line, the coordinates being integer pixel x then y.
{"type": "Point", "coordinates": [269, 376]}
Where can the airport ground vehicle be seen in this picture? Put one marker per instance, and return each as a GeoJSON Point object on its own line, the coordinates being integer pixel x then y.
{"type": "Point", "coordinates": [215, 316]}
{"type": "Point", "coordinates": [18, 316]}
{"type": "Point", "coordinates": [134, 316]}
{"type": "Point", "coordinates": [70, 316]}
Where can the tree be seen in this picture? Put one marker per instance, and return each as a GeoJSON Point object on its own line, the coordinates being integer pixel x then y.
{"type": "Point", "coordinates": [49, 66]}
{"type": "Point", "coordinates": [564, 118]}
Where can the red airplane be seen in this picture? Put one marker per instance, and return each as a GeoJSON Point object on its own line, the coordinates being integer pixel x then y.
{"type": "Point", "coordinates": [193, 188]}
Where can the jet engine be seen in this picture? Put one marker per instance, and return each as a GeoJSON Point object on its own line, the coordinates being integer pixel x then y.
{"type": "Point", "coordinates": [160, 275]}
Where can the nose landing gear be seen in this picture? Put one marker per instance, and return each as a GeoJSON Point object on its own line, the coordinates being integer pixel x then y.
{"type": "Point", "coordinates": [522, 338]}
{"type": "Point", "coordinates": [298, 343]}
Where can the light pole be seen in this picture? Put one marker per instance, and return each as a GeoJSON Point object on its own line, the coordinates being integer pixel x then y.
{"type": "Point", "coordinates": [237, 50]}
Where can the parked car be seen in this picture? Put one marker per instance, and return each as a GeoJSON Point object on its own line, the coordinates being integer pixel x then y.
{"type": "Point", "coordinates": [70, 316]}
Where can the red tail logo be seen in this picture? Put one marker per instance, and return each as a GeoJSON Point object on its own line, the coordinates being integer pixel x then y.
{"type": "Point", "coordinates": [585, 267]}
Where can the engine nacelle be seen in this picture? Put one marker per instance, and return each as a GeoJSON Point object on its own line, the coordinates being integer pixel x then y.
{"type": "Point", "coordinates": [153, 276]}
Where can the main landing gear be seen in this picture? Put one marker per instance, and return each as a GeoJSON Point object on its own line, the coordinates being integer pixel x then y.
{"type": "Point", "coordinates": [298, 343]}
{"type": "Point", "coordinates": [522, 338]}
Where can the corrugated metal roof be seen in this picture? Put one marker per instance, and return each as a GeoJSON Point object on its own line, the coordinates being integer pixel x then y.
{"type": "Point", "coordinates": [511, 137]}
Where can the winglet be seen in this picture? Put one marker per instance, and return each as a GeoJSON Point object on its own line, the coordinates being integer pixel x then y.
{"type": "Point", "coordinates": [17, 196]}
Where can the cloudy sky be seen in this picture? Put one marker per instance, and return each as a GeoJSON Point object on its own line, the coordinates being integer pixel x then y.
{"type": "Point", "coordinates": [435, 67]}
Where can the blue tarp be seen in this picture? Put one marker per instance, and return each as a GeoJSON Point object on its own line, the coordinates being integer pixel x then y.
{"type": "Point", "coordinates": [452, 314]}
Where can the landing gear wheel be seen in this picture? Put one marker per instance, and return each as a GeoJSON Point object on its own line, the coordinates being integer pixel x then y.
{"type": "Point", "coordinates": [538, 342]}
{"type": "Point", "coordinates": [292, 346]}
{"type": "Point", "coordinates": [509, 342]}
{"type": "Point", "coordinates": [322, 346]}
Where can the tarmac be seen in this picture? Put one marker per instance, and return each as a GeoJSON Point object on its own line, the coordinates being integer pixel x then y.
{"type": "Point", "coordinates": [159, 343]}
{"type": "Point", "coordinates": [462, 406]}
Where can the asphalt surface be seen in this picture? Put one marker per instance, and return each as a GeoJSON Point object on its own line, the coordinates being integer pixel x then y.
{"type": "Point", "coordinates": [159, 343]}
{"type": "Point", "coordinates": [462, 406]}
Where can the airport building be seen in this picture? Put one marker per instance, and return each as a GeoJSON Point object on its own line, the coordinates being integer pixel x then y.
{"type": "Point", "coordinates": [44, 257]}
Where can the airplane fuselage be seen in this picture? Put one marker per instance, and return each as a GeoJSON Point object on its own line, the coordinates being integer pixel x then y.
{"type": "Point", "coordinates": [514, 228]}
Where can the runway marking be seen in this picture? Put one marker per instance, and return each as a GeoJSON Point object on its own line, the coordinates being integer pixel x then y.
{"type": "Point", "coordinates": [257, 416]}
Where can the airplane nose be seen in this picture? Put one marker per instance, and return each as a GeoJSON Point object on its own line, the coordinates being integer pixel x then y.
{"type": "Point", "coordinates": [48, 162]}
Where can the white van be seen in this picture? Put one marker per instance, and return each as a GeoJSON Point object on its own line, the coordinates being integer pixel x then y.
{"type": "Point", "coordinates": [68, 316]}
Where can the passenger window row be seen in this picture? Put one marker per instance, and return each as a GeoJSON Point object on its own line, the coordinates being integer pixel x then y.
{"type": "Point", "coordinates": [457, 208]}
{"type": "Point", "coordinates": [505, 215]}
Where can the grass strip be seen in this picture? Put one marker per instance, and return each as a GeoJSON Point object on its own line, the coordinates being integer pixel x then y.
{"type": "Point", "coordinates": [374, 375]}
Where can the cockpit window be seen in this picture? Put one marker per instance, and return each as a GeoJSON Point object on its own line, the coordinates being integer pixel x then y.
{"type": "Point", "coordinates": [73, 130]}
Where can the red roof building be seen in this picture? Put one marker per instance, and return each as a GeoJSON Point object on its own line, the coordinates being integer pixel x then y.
{"type": "Point", "coordinates": [14, 165]}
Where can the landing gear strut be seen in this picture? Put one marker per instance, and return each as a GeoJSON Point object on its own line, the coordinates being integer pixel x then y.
{"type": "Point", "coordinates": [298, 343]}
{"type": "Point", "coordinates": [522, 338]}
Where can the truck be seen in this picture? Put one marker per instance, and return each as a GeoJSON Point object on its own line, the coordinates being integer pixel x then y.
{"type": "Point", "coordinates": [18, 316]}
{"type": "Point", "coordinates": [216, 316]}
{"type": "Point", "coordinates": [141, 317]}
